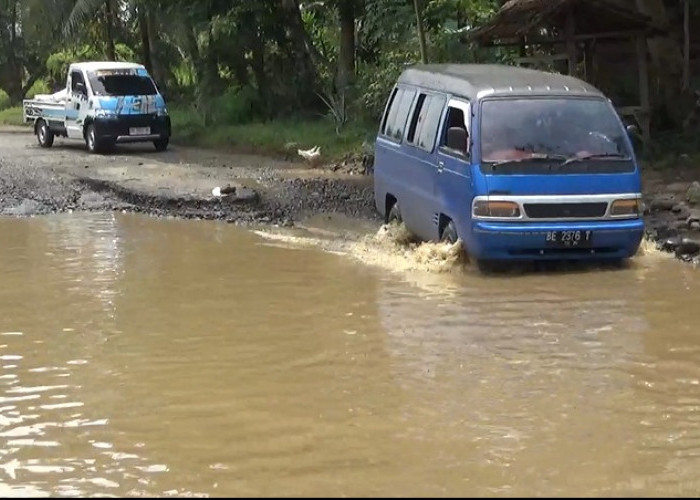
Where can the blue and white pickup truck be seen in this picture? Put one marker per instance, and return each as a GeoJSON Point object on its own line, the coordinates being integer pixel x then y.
{"type": "Point", "coordinates": [104, 103]}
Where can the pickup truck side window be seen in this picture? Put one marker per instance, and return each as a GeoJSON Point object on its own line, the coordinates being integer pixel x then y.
{"type": "Point", "coordinates": [76, 77]}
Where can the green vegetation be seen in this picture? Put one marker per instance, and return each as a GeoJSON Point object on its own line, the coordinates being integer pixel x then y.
{"type": "Point", "coordinates": [11, 116]}
{"type": "Point", "coordinates": [257, 75]}
{"type": "Point", "coordinates": [281, 137]}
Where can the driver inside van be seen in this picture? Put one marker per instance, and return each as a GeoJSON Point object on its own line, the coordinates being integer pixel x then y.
{"type": "Point", "coordinates": [502, 145]}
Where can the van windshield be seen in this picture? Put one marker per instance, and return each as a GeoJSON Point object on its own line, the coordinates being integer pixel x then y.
{"type": "Point", "coordinates": [557, 128]}
{"type": "Point", "coordinates": [119, 84]}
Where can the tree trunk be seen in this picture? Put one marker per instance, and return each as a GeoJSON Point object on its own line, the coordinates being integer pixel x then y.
{"type": "Point", "coordinates": [258, 65]}
{"type": "Point", "coordinates": [421, 32]}
{"type": "Point", "coordinates": [346, 55]}
{"type": "Point", "coordinates": [109, 31]}
{"type": "Point", "coordinates": [304, 55]}
{"type": "Point", "coordinates": [667, 63]}
{"type": "Point", "coordinates": [30, 82]}
{"type": "Point", "coordinates": [11, 74]}
{"type": "Point", "coordinates": [145, 38]}
{"type": "Point", "coordinates": [160, 71]}
{"type": "Point", "coordinates": [686, 44]}
{"type": "Point", "coordinates": [299, 33]}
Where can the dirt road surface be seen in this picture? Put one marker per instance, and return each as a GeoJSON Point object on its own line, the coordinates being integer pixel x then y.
{"type": "Point", "coordinates": [176, 182]}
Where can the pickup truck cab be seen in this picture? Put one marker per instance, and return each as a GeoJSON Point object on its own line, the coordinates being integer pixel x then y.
{"type": "Point", "coordinates": [104, 103]}
{"type": "Point", "coordinates": [516, 163]}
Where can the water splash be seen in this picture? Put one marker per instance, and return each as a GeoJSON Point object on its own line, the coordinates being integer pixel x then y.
{"type": "Point", "coordinates": [392, 247]}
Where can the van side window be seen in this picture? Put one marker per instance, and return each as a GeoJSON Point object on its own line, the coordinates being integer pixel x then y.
{"type": "Point", "coordinates": [458, 115]}
{"type": "Point", "coordinates": [417, 119]}
{"type": "Point", "coordinates": [388, 110]}
{"type": "Point", "coordinates": [431, 122]}
{"type": "Point", "coordinates": [398, 115]}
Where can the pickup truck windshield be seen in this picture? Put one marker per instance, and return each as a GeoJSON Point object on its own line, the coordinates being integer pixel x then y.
{"type": "Point", "coordinates": [551, 128]}
{"type": "Point", "coordinates": [121, 85]}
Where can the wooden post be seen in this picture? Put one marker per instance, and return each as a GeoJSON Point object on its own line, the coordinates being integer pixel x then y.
{"type": "Point", "coordinates": [686, 44]}
{"type": "Point", "coordinates": [421, 32]}
{"type": "Point", "coordinates": [570, 42]}
{"type": "Point", "coordinates": [588, 63]}
{"type": "Point", "coordinates": [645, 117]}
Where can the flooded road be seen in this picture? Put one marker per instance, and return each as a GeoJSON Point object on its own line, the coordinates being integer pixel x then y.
{"type": "Point", "coordinates": [161, 357]}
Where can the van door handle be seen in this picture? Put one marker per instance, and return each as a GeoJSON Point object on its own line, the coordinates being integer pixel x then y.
{"type": "Point", "coordinates": [440, 167]}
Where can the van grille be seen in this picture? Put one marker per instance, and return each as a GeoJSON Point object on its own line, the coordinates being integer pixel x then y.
{"type": "Point", "coordinates": [565, 210]}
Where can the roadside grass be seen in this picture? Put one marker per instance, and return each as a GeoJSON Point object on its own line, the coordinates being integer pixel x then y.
{"type": "Point", "coordinates": [11, 116]}
{"type": "Point", "coordinates": [277, 138]}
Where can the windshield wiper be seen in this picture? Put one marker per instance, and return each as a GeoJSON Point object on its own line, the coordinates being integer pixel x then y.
{"type": "Point", "coordinates": [600, 156]}
{"type": "Point", "coordinates": [534, 157]}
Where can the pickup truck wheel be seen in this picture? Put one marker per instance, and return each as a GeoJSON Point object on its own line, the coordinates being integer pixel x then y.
{"type": "Point", "coordinates": [94, 145]}
{"type": "Point", "coordinates": [162, 143]}
{"type": "Point", "coordinates": [44, 135]}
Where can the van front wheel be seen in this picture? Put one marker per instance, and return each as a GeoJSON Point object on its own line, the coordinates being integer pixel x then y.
{"type": "Point", "coordinates": [94, 144]}
{"type": "Point", "coordinates": [161, 144]}
{"type": "Point", "coordinates": [449, 234]}
{"type": "Point", "coordinates": [394, 215]}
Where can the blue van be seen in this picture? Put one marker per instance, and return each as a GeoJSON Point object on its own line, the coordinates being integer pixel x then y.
{"type": "Point", "coordinates": [514, 162]}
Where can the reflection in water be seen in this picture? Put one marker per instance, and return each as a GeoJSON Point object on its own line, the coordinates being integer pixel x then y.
{"type": "Point", "coordinates": [159, 357]}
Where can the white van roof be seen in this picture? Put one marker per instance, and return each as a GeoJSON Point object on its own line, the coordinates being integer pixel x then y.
{"type": "Point", "coordinates": [99, 65]}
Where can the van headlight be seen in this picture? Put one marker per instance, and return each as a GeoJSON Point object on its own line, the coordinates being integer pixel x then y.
{"type": "Point", "coordinates": [499, 209]}
{"type": "Point", "coordinates": [627, 207]}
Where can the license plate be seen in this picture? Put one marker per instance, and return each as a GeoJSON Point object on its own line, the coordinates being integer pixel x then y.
{"type": "Point", "coordinates": [140, 131]}
{"type": "Point", "coordinates": [569, 239]}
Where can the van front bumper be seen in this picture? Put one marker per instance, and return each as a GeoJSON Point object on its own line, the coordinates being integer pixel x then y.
{"type": "Point", "coordinates": [118, 128]}
{"type": "Point", "coordinates": [617, 239]}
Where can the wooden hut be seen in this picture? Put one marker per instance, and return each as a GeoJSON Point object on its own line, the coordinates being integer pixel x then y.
{"type": "Point", "coordinates": [568, 29]}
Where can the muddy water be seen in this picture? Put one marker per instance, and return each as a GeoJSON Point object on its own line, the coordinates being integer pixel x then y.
{"type": "Point", "coordinates": [157, 357]}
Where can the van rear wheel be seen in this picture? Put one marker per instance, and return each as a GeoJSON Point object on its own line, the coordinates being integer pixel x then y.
{"type": "Point", "coordinates": [44, 136]}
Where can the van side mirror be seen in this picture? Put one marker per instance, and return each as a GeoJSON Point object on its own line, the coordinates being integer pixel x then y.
{"type": "Point", "coordinates": [457, 138]}
{"type": "Point", "coordinates": [632, 130]}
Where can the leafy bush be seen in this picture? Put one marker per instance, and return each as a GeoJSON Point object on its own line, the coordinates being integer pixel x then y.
{"type": "Point", "coordinates": [236, 105]}
{"type": "Point", "coordinates": [375, 83]}
{"type": "Point", "coordinates": [4, 100]}
{"type": "Point", "coordinates": [58, 62]}
{"type": "Point", "coordinates": [39, 87]}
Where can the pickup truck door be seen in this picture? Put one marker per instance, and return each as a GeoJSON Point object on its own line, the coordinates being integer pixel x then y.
{"type": "Point", "coordinates": [76, 101]}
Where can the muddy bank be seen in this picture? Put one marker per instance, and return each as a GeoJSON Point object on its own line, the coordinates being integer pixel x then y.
{"type": "Point", "coordinates": [181, 182]}
{"type": "Point", "coordinates": [672, 211]}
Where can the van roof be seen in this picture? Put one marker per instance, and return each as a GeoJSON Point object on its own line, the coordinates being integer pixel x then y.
{"type": "Point", "coordinates": [476, 81]}
{"type": "Point", "coordinates": [98, 65]}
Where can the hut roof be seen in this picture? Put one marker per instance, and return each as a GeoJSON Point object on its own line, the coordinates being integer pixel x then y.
{"type": "Point", "coordinates": [518, 18]}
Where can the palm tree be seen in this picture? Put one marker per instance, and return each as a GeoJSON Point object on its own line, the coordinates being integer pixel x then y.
{"type": "Point", "coordinates": [84, 10]}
